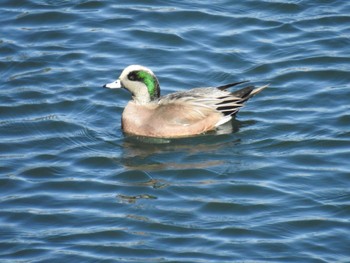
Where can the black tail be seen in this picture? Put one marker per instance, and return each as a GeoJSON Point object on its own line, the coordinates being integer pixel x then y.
{"type": "Point", "coordinates": [231, 85]}
{"type": "Point", "coordinates": [231, 103]}
{"type": "Point", "coordinates": [243, 93]}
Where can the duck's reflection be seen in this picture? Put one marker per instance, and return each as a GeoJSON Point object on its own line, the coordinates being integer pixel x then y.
{"type": "Point", "coordinates": [152, 154]}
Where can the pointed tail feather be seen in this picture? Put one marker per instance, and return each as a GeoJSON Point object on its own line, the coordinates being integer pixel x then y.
{"type": "Point", "coordinates": [230, 105]}
{"type": "Point", "coordinates": [248, 92]}
{"type": "Point", "coordinates": [258, 90]}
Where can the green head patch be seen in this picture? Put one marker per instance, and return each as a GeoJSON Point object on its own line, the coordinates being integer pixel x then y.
{"type": "Point", "coordinates": [149, 80]}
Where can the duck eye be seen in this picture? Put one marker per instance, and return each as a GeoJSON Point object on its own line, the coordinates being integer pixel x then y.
{"type": "Point", "coordinates": [132, 75]}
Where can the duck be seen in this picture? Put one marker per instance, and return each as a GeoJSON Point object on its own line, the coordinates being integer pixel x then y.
{"type": "Point", "coordinates": [181, 114]}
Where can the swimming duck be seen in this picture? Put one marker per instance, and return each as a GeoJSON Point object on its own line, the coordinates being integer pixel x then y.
{"type": "Point", "coordinates": [180, 114]}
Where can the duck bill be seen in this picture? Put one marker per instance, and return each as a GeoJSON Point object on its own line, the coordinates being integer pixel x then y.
{"type": "Point", "coordinates": [113, 85]}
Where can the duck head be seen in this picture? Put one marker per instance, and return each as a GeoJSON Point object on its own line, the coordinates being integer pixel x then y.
{"type": "Point", "coordinates": [140, 81]}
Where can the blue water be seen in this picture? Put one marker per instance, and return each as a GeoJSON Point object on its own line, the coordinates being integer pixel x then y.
{"type": "Point", "coordinates": [74, 188]}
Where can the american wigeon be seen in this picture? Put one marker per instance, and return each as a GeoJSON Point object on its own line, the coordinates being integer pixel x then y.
{"type": "Point", "coordinates": [179, 114]}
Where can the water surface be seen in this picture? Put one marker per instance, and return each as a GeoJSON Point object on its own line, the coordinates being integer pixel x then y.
{"type": "Point", "coordinates": [74, 188]}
